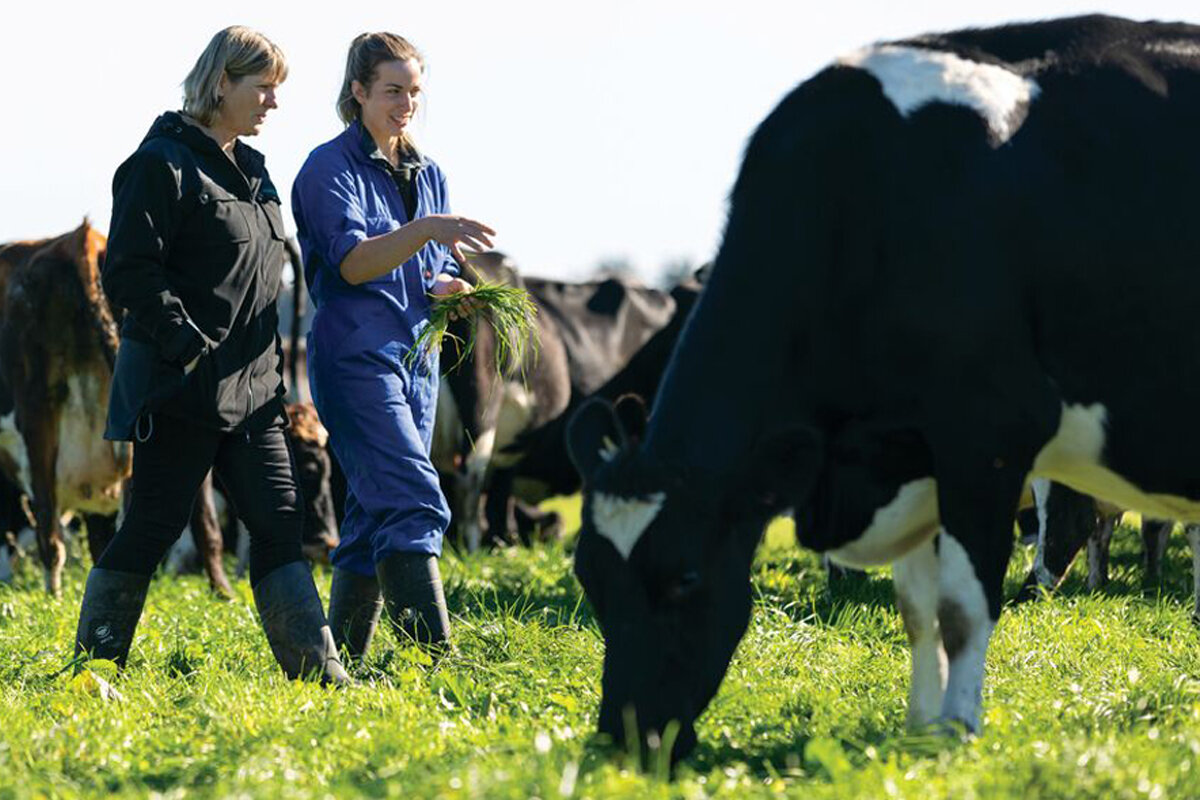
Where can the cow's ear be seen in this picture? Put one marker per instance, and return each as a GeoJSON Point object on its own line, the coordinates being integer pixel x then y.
{"type": "Point", "coordinates": [594, 436]}
{"type": "Point", "coordinates": [631, 415]}
{"type": "Point", "coordinates": [786, 465]}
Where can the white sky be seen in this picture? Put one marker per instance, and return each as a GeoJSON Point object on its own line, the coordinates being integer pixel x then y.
{"type": "Point", "coordinates": [580, 131]}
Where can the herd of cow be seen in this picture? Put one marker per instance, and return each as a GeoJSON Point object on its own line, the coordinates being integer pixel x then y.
{"type": "Point", "coordinates": [955, 267]}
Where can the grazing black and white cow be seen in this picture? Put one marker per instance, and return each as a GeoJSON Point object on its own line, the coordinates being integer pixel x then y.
{"type": "Point", "coordinates": [976, 223]}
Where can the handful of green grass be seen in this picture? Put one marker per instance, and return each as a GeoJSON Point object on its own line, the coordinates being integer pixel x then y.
{"type": "Point", "coordinates": [510, 312]}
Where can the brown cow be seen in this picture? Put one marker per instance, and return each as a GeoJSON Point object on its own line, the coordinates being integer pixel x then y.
{"type": "Point", "coordinates": [58, 343]}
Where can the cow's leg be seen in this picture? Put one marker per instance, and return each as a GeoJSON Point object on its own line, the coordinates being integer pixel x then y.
{"type": "Point", "coordinates": [475, 475]}
{"type": "Point", "coordinates": [1066, 519]}
{"type": "Point", "coordinates": [41, 443]}
{"type": "Point", "coordinates": [8, 552]}
{"type": "Point", "coordinates": [1098, 546]}
{"type": "Point", "coordinates": [1155, 533]}
{"type": "Point", "coordinates": [533, 524]}
{"type": "Point", "coordinates": [967, 614]}
{"type": "Point", "coordinates": [498, 510]}
{"type": "Point", "coordinates": [1040, 577]}
{"type": "Point", "coordinates": [977, 497]}
{"type": "Point", "coordinates": [915, 577]}
{"type": "Point", "coordinates": [206, 533]}
{"type": "Point", "coordinates": [1193, 537]}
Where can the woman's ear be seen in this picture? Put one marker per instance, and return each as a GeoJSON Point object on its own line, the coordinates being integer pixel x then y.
{"type": "Point", "coordinates": [359, 92]}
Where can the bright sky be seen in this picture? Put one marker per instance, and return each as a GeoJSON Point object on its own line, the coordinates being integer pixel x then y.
{"type": "Point", "coordinates": [580, 131]}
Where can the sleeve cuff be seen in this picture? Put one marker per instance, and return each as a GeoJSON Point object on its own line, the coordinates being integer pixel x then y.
{"type": "Point", "coordinates": [184, 345]}
{"type": "Point", "coordinates": [341, 247]}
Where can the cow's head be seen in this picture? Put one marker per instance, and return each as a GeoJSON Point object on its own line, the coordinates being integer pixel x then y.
{"type": "Point", "coordinates": [313, 467]}
{"type": "Point", "coordinates": [664, 555]}
{"type": "Point", "coordinates": [664, 552]}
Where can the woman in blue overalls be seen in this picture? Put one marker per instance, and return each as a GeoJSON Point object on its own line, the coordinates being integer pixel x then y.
{"type": "Point", "coordinates": [371, 215]}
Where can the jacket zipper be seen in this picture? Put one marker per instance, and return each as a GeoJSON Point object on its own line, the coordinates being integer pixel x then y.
{"type": "Point", "coordinates": [250, 388]}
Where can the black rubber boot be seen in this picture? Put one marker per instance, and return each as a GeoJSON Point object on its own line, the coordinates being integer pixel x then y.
{"type": "Point", "coordinates": [354, 606]}
{"type": "Point", "coordinates": [412, 594]}
{"type": "Point", "coordinates": [112, 606]}
{"type": "Point", "coordinates": [294, 621]}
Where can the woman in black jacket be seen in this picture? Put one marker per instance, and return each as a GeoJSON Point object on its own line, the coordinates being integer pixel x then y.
{"type": "Point", "coordinates": [195, 252]}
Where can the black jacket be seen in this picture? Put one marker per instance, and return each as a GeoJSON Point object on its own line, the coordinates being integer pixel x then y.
{"type": "Point", "coordinates": [195, 252]}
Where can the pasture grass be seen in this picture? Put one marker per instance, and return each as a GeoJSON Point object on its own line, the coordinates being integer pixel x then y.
{"type": "Point", "coordinates": [1088, 695]}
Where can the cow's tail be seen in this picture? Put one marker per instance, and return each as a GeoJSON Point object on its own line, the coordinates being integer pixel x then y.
{"type": "Point", "coordinates": [89, 248]}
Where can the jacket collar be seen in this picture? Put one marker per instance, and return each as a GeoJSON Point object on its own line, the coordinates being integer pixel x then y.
{"type": "Point", "coordinates": [172, 125]}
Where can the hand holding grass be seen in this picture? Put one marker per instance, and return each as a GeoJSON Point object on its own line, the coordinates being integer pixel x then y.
{"type": "Point", "coordinates": [447, 285]}
{"type": "Point", "coordinates": [509, 310]}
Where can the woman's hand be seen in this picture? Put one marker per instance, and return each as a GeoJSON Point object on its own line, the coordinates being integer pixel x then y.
{"type": "Point", "coordinates": [454, 232]}
{"type": "Point", "coordinates": [446, 285]}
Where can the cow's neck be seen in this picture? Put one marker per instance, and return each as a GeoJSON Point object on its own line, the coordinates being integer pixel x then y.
{"type": "Point", "coordinates": [723, 386]}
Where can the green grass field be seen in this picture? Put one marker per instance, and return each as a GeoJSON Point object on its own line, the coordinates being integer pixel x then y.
{"type": "Point", "coordinates": [1087, 696]}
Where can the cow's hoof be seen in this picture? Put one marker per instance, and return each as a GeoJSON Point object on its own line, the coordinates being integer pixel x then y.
{"type": "Point", "coordinates": [221, 589]}
{"type": "Point", "coordinates": [1031, 590]}
{"type": "Point", "coordinates": [54, 583]}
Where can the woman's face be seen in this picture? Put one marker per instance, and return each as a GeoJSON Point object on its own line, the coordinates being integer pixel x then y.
{"type": "Point", "coordinates": [391, 101]}
{"type": "Point", "coordinates": [245, 103]}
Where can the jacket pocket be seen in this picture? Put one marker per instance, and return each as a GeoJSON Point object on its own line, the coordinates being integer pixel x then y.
{"type": "Point", "coordinates": [224, 215]}
{"type": "Point", "coordinates": [275, 219]}
{"type": "Point", "coordinates": [141, 383]}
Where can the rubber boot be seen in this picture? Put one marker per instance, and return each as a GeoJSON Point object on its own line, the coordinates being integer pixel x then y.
{"type": "Point", "coordinates": [412, 594]}
{"type": "Point", "coordinates": [294, 621]}
{"type": "Point", "coordinates": [112, 605]}
{"type": "Point", "coordinates": [354, 607]}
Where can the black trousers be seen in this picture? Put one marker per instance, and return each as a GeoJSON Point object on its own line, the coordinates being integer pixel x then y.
{"type": "Point", "coordinates": [255, 468]}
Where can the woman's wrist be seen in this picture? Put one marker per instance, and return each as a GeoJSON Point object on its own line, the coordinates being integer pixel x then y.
{"type": "Point", "coordinates": [420, 227]}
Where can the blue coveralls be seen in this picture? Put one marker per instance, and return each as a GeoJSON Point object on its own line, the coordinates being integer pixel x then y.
{"type": "Point", "coordinates": [379, 412]}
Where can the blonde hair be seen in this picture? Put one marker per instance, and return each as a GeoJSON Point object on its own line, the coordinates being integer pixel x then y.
{"type": "Point", "coordinates": [367, 52]}
{"type": "Point", "coordinates": [236, 52]}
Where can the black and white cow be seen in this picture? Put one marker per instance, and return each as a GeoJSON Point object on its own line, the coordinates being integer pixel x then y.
{"type": "Point", "coordinates": [976, 223]}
